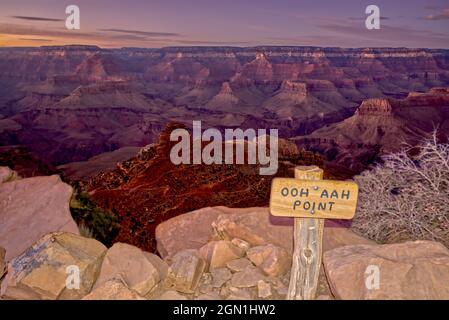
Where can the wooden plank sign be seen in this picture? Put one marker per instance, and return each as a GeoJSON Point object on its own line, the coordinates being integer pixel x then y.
{"type": "Point", "coordinates": [321, 199]}
{"type": "Point", "coordinates": [310, 200]}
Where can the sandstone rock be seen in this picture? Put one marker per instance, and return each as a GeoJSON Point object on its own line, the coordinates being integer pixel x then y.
{"type": "Point", "coordinates": [240, 294]}
{"type": "Point", "coordinates": [336, 235]}
{"type": "Point", "coordinates": [42, 270]}
{"type": "Point", "coordinates": [113, 289]}
{"type": "Point", "coordinates": [7, 175]}
{"type": "Point", "coordinates": [279, 286]}
{"type": "Point", "coordinates": [410, 270]}
{"type": "Point", "coordinates": [30, 208]}
{"type": "Point", "coordinates": [220, 276]}
{"type": "Point", "coordinates": [324, 297]}
{"type": "Point", "coordinates": [218, 253]}
{"type": "Point", "coordinates": [171, 295]}
{"type": "Point", "coordinates": [273, 260]}
{"type": "Point", "coordinates": [253, 225]}
{"type": "Point", "coordinates": [191, 230]}
{"type": "Point", "coordinates": [205, 283]}
{"type": "Point", "coordinates": [132, 266]}
{"type": "Point", "coordinates": [209, 296]}
{"type": "Point", "coordinates": [263, 289]}
{"type": "Point", "coordinates": [242, 244]}
{"type": "Point", "coordinates": [247, 278]}
{"type": "Point", "coordinates": [185, 271]}
{"type": "Point", "coordinates": [2, 262]}
{"type": "Point", "coordinates": [239, 264]}
{"type": "Point", "coordinates": [158, 263]}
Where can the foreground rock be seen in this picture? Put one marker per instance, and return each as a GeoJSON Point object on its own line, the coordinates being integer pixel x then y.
{"type": "Point", "coordinates": [42, 271]}
{"type": "Point", "coordinates": [30, 208]}
{"type": "Point", "coordinates": [113, 289]}
{"type": "Point", "coordinates": [191, 230]}
{"type": "Point", "coordinates": [410, 270]}
{"type": "Point", "coordinates": [185, 271]}
{"type": "Point", "coordinates": [254, 226]}
{"type": "Point", "coordinates": [218, 253]}
{"type": "Point", "coordinates": [273, 261]}
{"type": "Point", "coordinates": [138, 270]}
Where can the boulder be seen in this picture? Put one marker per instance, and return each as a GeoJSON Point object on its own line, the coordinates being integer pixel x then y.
{"type": "Point", "coordinates": [209, 296]}
{"type": "Point", "coordinates": [191, 230]}
{"type": "Point", "coordinates": [239, 264]}
{"type": "Point", "coordinates": [185, 271]}
{"type": "Point", "coordinates": [263, 289]}
{"type": "Point", "coordinates": [132, 266]}
{"type": "Point", "coordinates": [272, 260]}
{"type": "Point", "coordinates": [242, 244]}
{"type": "Point", "coordinates": [47, 270]}
{"type": "Point", "coordinates": [409, 270]}
{"type": "Point", "coordinates": [220, 276]}
{"type": "Point", "coordinates": [337, 235]}
{"type": "Point", "coordinates": [241, 294]}
{"type": "Point", "coordinates": [218, 253]}
{"type": "Point", "coordinates": [31, 208]}
{"type": "Point", "coordinates": [113, 289]}
{"type": "Point", "coordinates": [171, 295]}
{"type": "Point", "coordinates": [247, 278]}
{"type": "Point", "coordinates": [254, 226]}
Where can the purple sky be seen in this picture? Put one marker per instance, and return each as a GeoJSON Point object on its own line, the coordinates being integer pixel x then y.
{"type": "Point", "coordinates": [154, 23]}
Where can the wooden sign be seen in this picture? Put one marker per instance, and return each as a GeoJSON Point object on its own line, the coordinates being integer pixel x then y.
{"type": "Point", "coordinates": [310, 200]}
{"type": "Point", "coordinates": [325, 199]}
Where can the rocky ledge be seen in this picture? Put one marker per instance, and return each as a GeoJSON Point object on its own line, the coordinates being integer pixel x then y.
{"type": "Point", "coordinates": [223, 253]}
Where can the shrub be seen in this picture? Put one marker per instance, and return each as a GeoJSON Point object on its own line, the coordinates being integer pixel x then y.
{"type": "Point", "coordinates": [93, 221]}
{"type": "Point", "coordinates": [407, 197]}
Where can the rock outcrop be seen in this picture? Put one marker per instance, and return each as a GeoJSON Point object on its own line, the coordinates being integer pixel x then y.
{"type": "Point", "coordinates": [113, 289]}
{"type": "Point", "coordinates": [253, 225]}
{"type": "Point", "coordinates": [138, 270]}
{"type": "Point", "coordinates": [410, 270]}
{"type": "Point", "coordinates": [222, 266]}
{"type": "Point", "coordinates": [58, 266]}
{"type": "Point", "coordinates": [31, 208]}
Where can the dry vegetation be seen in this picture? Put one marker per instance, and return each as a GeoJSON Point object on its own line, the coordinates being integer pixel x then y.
{"type": "Point", "coordinates": [406, 198]}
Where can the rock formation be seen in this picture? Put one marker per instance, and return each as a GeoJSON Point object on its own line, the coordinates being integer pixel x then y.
{"type": "Point", "coordinates": [31, 208]}
{"type": "Point", "coordinates": [216, 268]}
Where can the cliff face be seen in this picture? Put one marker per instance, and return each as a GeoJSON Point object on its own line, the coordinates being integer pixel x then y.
{"type": "Point", "coordinates": [148, 188]}
{"type": "Point", "coordinates": [79, 101]}
{"type": "Point", "coordinates": [381, 126]}
{"type": "Point", "coordinates": [375, 107]}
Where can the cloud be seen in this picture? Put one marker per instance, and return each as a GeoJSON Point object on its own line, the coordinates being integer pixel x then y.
{"type": "Point", "coordinates": [143, 33]}
{"type": "Point", "coordinates": [364, 18]}
{"type": "Point", "coordinates": [442, 15]}
{"type": "Point", "coordinates": [35, 39]}
{"type": "Point", "coordinates": [36, 18]}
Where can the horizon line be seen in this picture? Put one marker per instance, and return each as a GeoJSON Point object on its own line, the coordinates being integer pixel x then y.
{"type": "Point", "coordinates": [220, 46]}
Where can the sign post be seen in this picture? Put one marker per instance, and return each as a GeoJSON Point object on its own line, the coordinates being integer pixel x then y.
{"type": "Point", "coordinates": [310, 200]}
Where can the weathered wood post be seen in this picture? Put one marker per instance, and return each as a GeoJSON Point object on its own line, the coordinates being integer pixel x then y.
{"type": "Point", "coordinates": [310, 200]}
{"type": "Point", "coordinates": [307, 239]}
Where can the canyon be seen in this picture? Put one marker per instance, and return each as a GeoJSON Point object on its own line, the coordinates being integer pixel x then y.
{"type": "Point", "coordinates": [102, 118]}
{"type": "Point", "coordinates": [71, 103]}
